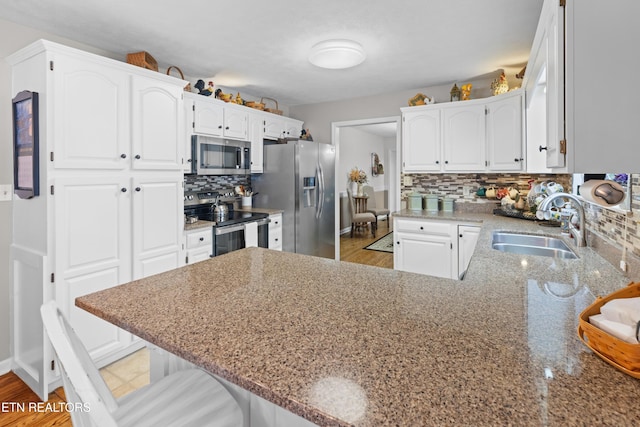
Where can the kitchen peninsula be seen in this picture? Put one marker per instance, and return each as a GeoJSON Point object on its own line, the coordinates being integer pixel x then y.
{"type": "Point", "coordinates": [396, 348]}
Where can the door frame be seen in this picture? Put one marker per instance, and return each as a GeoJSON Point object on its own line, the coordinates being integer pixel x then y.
{"type": "Point", "coordinates": [393, 167]}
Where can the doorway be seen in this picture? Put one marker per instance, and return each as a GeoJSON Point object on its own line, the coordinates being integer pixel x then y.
{"type": "Point", "coordinates": [356, 142]}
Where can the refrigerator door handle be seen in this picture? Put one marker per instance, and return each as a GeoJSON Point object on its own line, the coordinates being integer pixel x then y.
{"type": "Point", "coordinates": [320, 205]}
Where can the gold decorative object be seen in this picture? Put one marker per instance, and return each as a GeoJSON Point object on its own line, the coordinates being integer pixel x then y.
{"type": "Point", "coordinates": [465, 91]}
{"type": "Point", "coordinates": [455, 93]}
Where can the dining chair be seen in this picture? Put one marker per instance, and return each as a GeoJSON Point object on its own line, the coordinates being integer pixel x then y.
{"type": "Point", "coordinates": [190, 397]}
{"type": "Point", "coordinates": [360, 218]}
{"type": "Point", "coordinates": [371, 205]}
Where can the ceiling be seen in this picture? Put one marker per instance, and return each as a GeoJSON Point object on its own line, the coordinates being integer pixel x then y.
{"type": "Point", "coordinates": [260, 47]}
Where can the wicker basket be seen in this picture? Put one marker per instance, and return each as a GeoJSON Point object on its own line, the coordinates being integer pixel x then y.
{"type": "Point", "coordinates": [617, 353]}
{"type": "Point", "coordinates": [142, 59]}
{"type": "Point", "coordinates": [255, 104]}
{"type": "Point", "coordinates": [187, 88]}
{"type": "Point", "coordinates": [271, 110]}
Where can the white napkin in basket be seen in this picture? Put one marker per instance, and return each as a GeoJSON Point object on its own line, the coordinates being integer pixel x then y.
{"type": "Point", "coordinates": [622, 310]}
{"type": "Point", "coordinates": [619, 330]}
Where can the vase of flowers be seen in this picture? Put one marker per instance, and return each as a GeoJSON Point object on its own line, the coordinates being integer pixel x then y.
{"type": "Point", "coordinates": [357, 177]}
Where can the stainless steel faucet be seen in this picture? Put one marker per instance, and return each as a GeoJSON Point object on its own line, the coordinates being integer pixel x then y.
{"type": "Point", "coordinates": [580, 236]}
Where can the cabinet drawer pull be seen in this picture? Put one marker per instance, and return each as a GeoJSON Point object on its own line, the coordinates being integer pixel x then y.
{"type": "Point", "coordinates": [124, 190]}
{"type": "Point", "coordinates": [138, 188]}
{"type": "Point", "coordinates": [421, 228]}
{"type": "Point", "coordinates": [540, 148]}
{"type": "Point", "coordinates": [123, 156]}
{"type": "Point", "coordinates": [138, 156]}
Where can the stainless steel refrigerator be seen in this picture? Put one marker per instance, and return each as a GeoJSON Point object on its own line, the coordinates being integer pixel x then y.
{"type": "Point", "coordinates": [298, 178]}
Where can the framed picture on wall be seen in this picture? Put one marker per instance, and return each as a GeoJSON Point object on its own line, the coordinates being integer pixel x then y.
{"type": "Point", "coordinates": [25, 145]}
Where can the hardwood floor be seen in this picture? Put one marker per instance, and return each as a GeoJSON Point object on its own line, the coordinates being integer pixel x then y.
{"type": "Point", "coordinates": [352, 248]}
{"type": "Point", "coordinates": [15, 410]}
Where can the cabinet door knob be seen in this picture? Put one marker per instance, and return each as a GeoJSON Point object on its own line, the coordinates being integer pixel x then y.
{"type": "Point", "coordinates": [202, 239]}
{"type": "Point", "coordinates": [220, 127]}
{"type": "Point", "coordinates": [137, 156]}
{"type": "Point", "coordinates": [124, 190]}
{"type": "Point", "coordinates": [227, 128]}
{"type": "Point", "coordinates": [437, 162]}
{"type": "Point", "coordinates": [460, 235]}
{"type": "Point", "coordinates": [421, 228]}
{"type": "Point", "coordinates": [137, 188]}
{"type": "Point", "coordinates": [541, 148]}
{"type": "Point", "coordinates": [516, 160]}
{"type": "Point", "coordinates": [276, 239]}
{"type": "Point", "coordinates": [123, 156]}
{"type": "Point", "coordinates": [398, 242]}
{"type": "Point", "coordinates": [446, 162]}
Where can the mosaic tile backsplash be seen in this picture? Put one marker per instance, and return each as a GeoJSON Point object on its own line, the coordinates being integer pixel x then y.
{"type": "Point", "coordinates": [215, 182]}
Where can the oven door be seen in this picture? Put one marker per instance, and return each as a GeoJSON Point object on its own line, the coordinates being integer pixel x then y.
{"type": "Point", "coordinates": [231, 238]}
{"type": "Point", "coordinates": [228, 239]}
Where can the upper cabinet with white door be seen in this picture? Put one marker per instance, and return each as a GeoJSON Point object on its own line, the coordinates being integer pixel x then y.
{"type": "Point", "coordinates": [276, 127]}
{"type": "Point", "coordinates": [110, 119]}
{"type": "Point", "coordinates": [590, 118]}
{"type": "Point", "coordinates": [213, 117]}
{"type": "Point", "coordinates": [480, 135]}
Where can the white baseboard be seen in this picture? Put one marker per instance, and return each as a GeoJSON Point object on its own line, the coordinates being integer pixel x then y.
{"type": "Point", "coordinates": [5, 366]}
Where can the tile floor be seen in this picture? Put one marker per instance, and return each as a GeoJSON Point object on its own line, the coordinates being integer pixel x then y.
{"type": "Point", "coordinates": [127, 374]}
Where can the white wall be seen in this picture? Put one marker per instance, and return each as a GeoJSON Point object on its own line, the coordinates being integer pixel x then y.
{"type": "Point", "coordinates": [12, 38]}
{"type": "Point", "coordinates": [356, 147]}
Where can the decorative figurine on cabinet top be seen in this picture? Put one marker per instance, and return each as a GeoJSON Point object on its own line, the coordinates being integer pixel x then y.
{"type": "Point", "coordinates": [500, 85]}
{"type": "Point", "coordinates": [201, 90]}
{"type": "Point", "coordinates": [455, 93]}
{"type": "Point", "coordinates": [466, 92]}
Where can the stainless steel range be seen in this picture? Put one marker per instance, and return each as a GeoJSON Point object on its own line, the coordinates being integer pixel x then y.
{"type": "Point", "coordinates": [233, 229]}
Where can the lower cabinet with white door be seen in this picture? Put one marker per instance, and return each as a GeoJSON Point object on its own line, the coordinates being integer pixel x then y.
{"type": "Point", "coordinates": [467, 239]}
{"type": "Point", "coordinates": [433, 247]}
{"type": "Point", "coordinates": [199, 244]}
{"type": "Point", "coordinates": [425, 247]}
{"type": "Point", "coordinates": [275, 232]}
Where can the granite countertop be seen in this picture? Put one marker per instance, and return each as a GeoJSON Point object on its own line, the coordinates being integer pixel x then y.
{"type": "Point", "coordinates": [201, 223]}
{"type": "Point", "coordinates": [346, 344]}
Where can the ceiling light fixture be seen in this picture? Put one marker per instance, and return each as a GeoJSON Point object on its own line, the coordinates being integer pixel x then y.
{"type": "Point", "coordinates": [337, 54]}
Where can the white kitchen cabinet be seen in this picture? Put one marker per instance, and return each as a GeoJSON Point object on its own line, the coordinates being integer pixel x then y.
{"type": "Point", "coordinates": [276, 127]}
{"type": "Point", "coordinates": [421, 141]}
{"type": "Point", "coordinates": [275, 232]}
{"type": "Point", "coordinates": [256, 136]}
{"type": "Point", "coordinates": [505, 133]}
{"type": "Point", "coordinates": [199, 244]}
{"type": "Point", "coordinates": [467, 239]}
{"type": "Point", "coordinates": [213, 117]}
{"type": "Point", "coordinates": [587, 116]}
{"type": "Point", "coordinates": [92, 105]}
{"type": "Point", "coordinates": [463, 137]}
{"type": "Point", "coordinates": [425, 247]}
{"type": "Point", "coordinates": [481, 135]}
{"type": "Point", "coordinates": [156, 124]}
{"type": "Point", "coordinates": [108, 212]}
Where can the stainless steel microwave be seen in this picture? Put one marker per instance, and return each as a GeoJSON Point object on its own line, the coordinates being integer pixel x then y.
{"type": "Point", "coordinates": [217, 156]}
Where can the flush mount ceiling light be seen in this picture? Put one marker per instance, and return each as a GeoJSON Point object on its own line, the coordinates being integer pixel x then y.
{"type": "Point", "coordinates": [336, 54]}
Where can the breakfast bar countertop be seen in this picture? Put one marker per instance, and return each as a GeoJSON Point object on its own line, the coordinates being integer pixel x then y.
{"type": "Point", "coordinates": [346, 344]}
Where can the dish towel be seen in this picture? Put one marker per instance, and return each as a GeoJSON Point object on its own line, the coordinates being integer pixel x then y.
{"type": "Point", "coordinates": [622, 310]}
{"type": "Point", "coordinates": [251, 234]}
{"type": "Point", "coordinates": [621, 331]}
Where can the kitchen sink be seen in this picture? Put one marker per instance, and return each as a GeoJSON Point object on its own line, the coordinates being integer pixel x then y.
{"type": "Point", "coordinates": [529, 244]}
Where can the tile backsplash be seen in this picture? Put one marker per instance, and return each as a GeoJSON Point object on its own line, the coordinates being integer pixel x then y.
{"type": "Point", "coordinates": [464, 186]}
{"type": "Point", "coordinates": [215, 182]}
